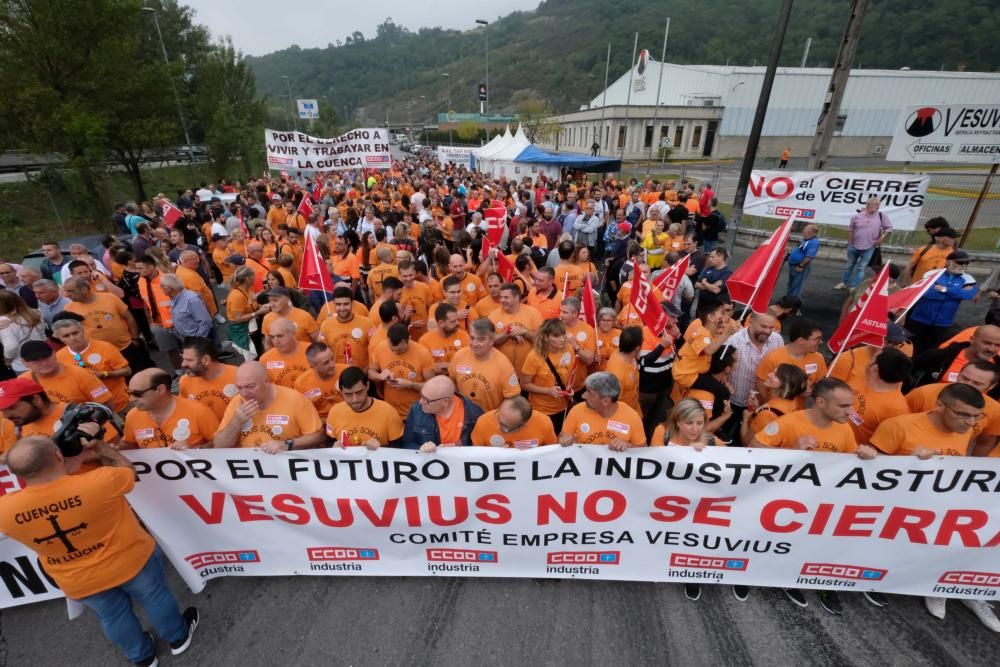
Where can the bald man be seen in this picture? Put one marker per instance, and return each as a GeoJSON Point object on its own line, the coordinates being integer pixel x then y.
{"type": "Point", "coordinates": [945, 363]}
{"type": "Point", "coordinates": [440, 418]}
{"type": "Point", "coordinates": [472, 286]}
{"type": "Point", "coordinates": [286, 360]}
{"type": "Point", "coordinates": [93, 547]}
{"type": "Point", "coordinates": [187, 270]}
{"type": "Point", "coordinates": [268, 416]}
{"type": "Point", "coordinates": [160, 419]}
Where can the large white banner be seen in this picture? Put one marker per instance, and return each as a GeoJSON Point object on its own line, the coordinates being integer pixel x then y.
{"type": "Point", "coordinates": [460, 155]}
{"type": "Point", "coordinates": [365, 148]}
{"type": "Point", "coordinates": [967, 133]}
{"type": "Point", "coordinates": [833, 197]}
{"type": "Point", "coordinates": [722, 516]}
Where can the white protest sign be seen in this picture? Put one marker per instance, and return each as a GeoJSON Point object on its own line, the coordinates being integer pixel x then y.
{"type": "Point", "coordinates": [365, 148]}
{"type": "Point", "coordinates": [967, 133]}
{"type": "Point", "coordinates": [308, 109]}
{"type": "Point", "coordinates": [460, 155]}
{"type": "Point", "coordinates": [723, 515]}
{"type": "Point", "coordinates": [833, 197]}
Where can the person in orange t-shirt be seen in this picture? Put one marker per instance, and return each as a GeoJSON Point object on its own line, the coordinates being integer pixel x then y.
{"type": "Point", "coordinates": [280, 300]}
{"type": "Point", "coordinates": [879, 397]}
{"type": "Point", "coordinates": [602, 419]}
{"type": "Point", "coordinates": [414, 299]}
{"type": "Point", "coordinates": [92, 544]}
{"type": "Point", "coordinates": [804, 338]}
{"type": "Point", "coordinates": [452, 288]}
{"type": "Point", "coordinates": [403, 365]}
{"type": "Point", "coordinates": [347, 333]}
{"type": "Point", "coordinates": [159, 419]}
{"type": "Point", "coordinates": [447, 338]}
{"type": "Point", "coordinates": [100, 358]}
{"type": "Point", "coordinates": [551, 372]}
{"type": "Point", "coordinates": [608, 338]}
{"type": "Point", "coordinates": [822, 428]}
{"type": "Point", "coordinates": [514, 425]}
{"type": "Point", "coordinates": [482, 373]}
{"type": "Point", "coordinates": [63, 383]}
{"type": "Point", "coordinates": [623, 365]}
{"type": "Point", "coordinates": [269, 416]}
{"type": "Point", "coordinates": [105, 317]}
{"type": "Point", "coordinates": [981, 375]}
{"type": "Point", "coordinates": [320, 383]}
{"type": "Point", "coordinates": [491, 301]}
{"type": "Point", "coordinates": [544, 296]}
{"type": "Point", "coordinates": [945, 431]}
{"type": "Point", "coordinates": [702, 341]}
{"type": "Point", "coordinates": [384, 269]}
{"type": "Point", "coordinates": [286, 361]}
{"type": "Point", "coordinates": [568, 276]}
{"type": "Point", "coordinates": [516, 325]}
{"type": "Point", "coordinates": [784, 385]}
{"type": "Point", "coordinates": [8, 436]}
{"type": "Point", "coordinates": [187, 271]}
{"type": "Point", "coordinates": [206, 380]}
{"type": "Point", "coordinates": [362, 420]}
{"type": "Point", "coordinates": [579, 334]}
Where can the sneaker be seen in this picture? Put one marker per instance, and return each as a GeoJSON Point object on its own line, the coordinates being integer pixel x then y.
{"type": "Point", "coordinates": [840, 287]}
{"type": "Point", "coordinates": [796, 596]}
{"type": "Point", "coordinates": [984, 613]}
{"type": "Point", "coordinates": [877, 599]}
{"type": "Point", "coordinates": [936, 606]}
{"type": "Point", "coordinates": [741, 593]}
{"type": "Point", "coordinates": [831, 602]}
{"type": "Point", "coordinates": [191, 618]}
{"type": "Point", "coordinates": [692, 591]}
{"type": "Point", "coordinates": [151, 661]}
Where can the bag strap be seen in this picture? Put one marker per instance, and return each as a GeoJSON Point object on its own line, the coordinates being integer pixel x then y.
{"type": "Point", "coordinates": [555, 373]}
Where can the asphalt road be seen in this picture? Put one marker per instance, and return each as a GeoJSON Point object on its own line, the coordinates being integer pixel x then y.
{"type": "Point", "coordinates": [454, 621]}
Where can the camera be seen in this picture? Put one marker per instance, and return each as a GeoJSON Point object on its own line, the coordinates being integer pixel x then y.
{"type": "Point", "coordinates": [69, 438]}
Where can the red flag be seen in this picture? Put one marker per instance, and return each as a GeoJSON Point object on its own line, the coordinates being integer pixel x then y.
{"type": "Point", "coordinates": [753, 282]}
{"type": "Point", "coordinates": [243, 224]}
{"type": "Point", "coordinates": [589, 307]}
{"type": "Point", "coordinates": [484, 252]}
{"type": "Point", "coordinates": [668, 280]}
{"type": "Point", "coordinates": [314, 275]}
{"type": "Point", "coordinates": [505, 268]}
{"type": "Point", "coordinates": [866, 320]}
{"type": "Point", "coordinates": [900, 302]}
{"type": "Point", "coordinates": [496, 219]}
{"type": "Point", "coordinates": [317, 192]}
{"type": "Point", "coordinates": [305, 208]}
{"type": "Point", "coordinates": [646, 306]}
{"type": "Point", "coordinates": [171, 214]}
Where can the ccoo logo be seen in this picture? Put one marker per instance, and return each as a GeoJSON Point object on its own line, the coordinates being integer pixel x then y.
{"type": "Point", "coordinates": [839, 571]}
{"type": "Point", "coordinates": [923, 122]}
{"type": "Point", "coordinates": [583, 557]}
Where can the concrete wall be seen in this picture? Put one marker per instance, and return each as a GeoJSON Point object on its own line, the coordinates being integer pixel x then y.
{"type": "Point", "coordinates": [735, 147]}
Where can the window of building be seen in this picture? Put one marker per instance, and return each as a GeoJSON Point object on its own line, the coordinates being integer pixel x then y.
{"type": "Point", "coordinates": [696, 137]}
{"type": "Point", "coordinates": [678, 136]}
{"type": "Point", "coordinates": [607, 135]}
{"type": "Point", "coordinates": [664, 134]}
{"type": "Point", "coordinates": [647, 141]}
{"type": "Point", "coordinates": [621, 136]}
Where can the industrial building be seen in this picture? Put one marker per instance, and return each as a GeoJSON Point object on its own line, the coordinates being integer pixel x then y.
{"type": "Point", "coordinates": [707, 110]}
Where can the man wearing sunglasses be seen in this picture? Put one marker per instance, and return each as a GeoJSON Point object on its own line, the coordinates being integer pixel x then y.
{"type": "Point", "coordinates": [935, 312]}
{"type": "Point", "coordinates": [440, 418]}
{"type": "Point", "coordinates": [160, 419]}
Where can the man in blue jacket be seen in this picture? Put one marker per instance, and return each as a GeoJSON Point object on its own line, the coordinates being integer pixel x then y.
{"type": "Point", "coordinates": [440, 418]}
{"type": "Point", "coordinates": [935, 312]}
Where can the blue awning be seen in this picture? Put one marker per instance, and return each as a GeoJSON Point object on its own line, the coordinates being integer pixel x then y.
{"type": "Point", "coordinates": [589, 163]}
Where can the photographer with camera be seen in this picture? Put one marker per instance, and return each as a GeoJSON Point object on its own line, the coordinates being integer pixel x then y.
{"type": "Point", "coordinates": [92, 545]}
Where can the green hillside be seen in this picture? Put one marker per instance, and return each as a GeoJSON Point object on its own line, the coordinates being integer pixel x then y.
{"type": "Point", "coordinates": [557, 53]}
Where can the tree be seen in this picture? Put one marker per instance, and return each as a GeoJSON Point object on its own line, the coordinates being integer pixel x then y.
{"type": "Point", "coordinates": [468, 130]}
{"type": "Point", "coordinates": [536, 120]}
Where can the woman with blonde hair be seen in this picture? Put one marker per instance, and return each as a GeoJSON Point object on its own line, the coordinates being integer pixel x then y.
{"type": "Point", "coordinates": [18, 324]}
{"type": "Point", "coordinates": [551, 372]}
{"type": "Point", "coordinates": [240, 310]}
{"type": "Point", "coordinates": [160, 259]}
{"type": "Point", "coordinates": [686, 425]}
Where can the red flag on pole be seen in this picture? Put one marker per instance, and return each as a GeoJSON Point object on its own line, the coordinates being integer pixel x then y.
{"type": "Point", "coordinates": [866, 320]}
{"type": "Point", "coordinates": [753, 282]}
{"type": "Point", "coordinates": [505, 268]}
{"type": "Point", "coordinates": [589, 307]}
{"type": "Point", "coordinates": [305, 208]}
{"type": "Point", "coordinates": [646, 306]}
{"type": "Point", "coordinates": [484, 252]}
{"type": "Point", "coordinates": [171, 214]}
{"type": "Point", "coordinates": [900, 302]}
{"type": "Point", "coordinates": [496, 218]}
{"type": "Point", "coordinates": [243, 224]}
{"type": "Point", "coordinates": [668, 281]}
{"type": "Point", "coordinates": [314, 275]}
{"type": "Point", "coordinates": [317, 192]}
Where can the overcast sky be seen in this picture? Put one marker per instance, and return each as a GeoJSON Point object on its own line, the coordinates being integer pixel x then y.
{"type": "Point", "coordinates": [254, 24]}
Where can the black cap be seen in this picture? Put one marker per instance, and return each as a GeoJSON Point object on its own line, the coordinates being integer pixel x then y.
{"type": "Point", "coordinates": [671, 310]}
{"type": "Point", "coordinates": [896, 334]}
{"type": "Point", "coordinates": [959, 256]}
{"type": "Point", "coordinates": [946, 231]}
{"type": "Point", "coordinates": [237, 260]}
{"type": "Point", "coordinates": [279, 291]}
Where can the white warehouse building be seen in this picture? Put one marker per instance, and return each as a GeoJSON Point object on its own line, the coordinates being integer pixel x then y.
{"type": "Point", "coordinates": [708, 110]}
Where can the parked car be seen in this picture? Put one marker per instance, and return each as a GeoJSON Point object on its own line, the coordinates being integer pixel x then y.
{"type": "Point", "coordinates": [92, 242]}
{"type": "Point", "coordinates": [185, 152]}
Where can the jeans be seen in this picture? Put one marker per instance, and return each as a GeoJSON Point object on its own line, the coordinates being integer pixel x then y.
{"type": "Point", "coordinates": [797, 279]}
{"type": "Point", "coordinates": [119, 622]}
{"type": "Point", "coordinates": [857, 262]}
{"type": "Point", "coordinates": [707, 246]}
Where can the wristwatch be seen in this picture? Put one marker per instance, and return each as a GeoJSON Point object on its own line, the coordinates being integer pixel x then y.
{"type": "Point", "coordinates": [289, 443]}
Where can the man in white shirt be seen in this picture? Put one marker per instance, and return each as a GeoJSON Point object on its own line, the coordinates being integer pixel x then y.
{"type": "Point", "coordinates": [77, 251]}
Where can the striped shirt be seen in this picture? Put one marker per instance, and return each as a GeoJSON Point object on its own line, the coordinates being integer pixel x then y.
{"type": "Point", "coordinates": [748, 358]}
{"type": "Point", "coordinates": [190, 315]}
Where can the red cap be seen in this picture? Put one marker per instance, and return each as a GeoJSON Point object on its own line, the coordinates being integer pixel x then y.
{"type": "Point", "coordinates": [11, 391]}
{"type": "Point", "coordinates": [624, 228]}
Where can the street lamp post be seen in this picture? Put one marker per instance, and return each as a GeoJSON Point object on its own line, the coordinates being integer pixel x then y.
{"type": "Point", "coordinates": [423, 116]}
{"type": "Point", "coordinates": [448, 120]}
{"type": "Point", "coordinates": [173, 84]}
{"type": "Point", "coordinates": [295, 110]}
{"type": "Point", "coordinates": [486, 31]}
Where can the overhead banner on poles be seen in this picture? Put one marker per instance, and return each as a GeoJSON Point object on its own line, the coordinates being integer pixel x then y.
{"type": "Point", "coordinates": [724, 515]}
{"type": "Point", "coordinates": [833, 197]}
{"type": "Point", "coordinates": [365, 148]}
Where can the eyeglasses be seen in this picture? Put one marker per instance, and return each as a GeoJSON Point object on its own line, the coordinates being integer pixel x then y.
{"type": "Point", "coordinates": [139, 392]}
{"type": "Point", "coordinates": [428, 401]}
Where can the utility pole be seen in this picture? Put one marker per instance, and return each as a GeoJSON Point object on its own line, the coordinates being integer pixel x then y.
{"type": "Point", "coordinates": [659, 86]}
{"type": "Point", "coordinates": [604, 100]}
{"type": "Point", "coordinates": [447, 77]}
{"type": "Point", "coordinates": [753, 141]}
{"type": "Point", "coordinates": [805, 52]}
{"type": "Point", "coordinates": [628, 98]}
{"type": "Point", "coordinates": [173, 84]}
{"type": "Point", "coordinates": [295, 109]}
{"type": "Point", "coordinates": [827, 122]}
{"type": "Point", "coordinates": [486, 30]}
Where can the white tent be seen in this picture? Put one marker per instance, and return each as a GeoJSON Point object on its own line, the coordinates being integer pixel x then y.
{"type": "Point", "coordinates": [501, 162]}
{"type": "Point", "coordinates": [489, 146]}
{"type": "Point", "coordinates": [483, 156]}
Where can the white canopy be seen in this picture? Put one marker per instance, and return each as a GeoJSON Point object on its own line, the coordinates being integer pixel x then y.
{"type": "Point", "coordinates": [488, 147]}
{"type": "Point", "coordinates": [485, 154]}
{"type": "Point", "coordinates": [513, 148]}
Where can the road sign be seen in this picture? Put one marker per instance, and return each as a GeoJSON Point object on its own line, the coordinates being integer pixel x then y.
{"type": "Point", "coordinates": [665, 142]}
{"type": "Point", "coordinates": [967, 133]}
{"type": "Point", "coordinates": [482, 92]}
{"type": "Point", "coordinates": [308, 109]}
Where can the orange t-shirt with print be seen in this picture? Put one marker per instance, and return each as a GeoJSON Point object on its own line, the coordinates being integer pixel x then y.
{"type": "Point", "coordinates": [100, 357]}
{"type": "Point", "coordinates": [415, 365]}
{"type": "Point", "coordinates": [305, 325]}
{"type": "Point", "coordinates": [82, 528]}
{"type": "Point", "coordinates": [104, 319]}
{"type": "Point", "coordinates": [485, 383]}
{"type": "Point", "coordinates": [569, 276]}
{"type": "Point", "coordinates": [190, 421]}
{"type": "Point", "coordinates": [537, 370]}
{"type": "Point", "coordinates": [627, 372]}
{"type": "Point", "coordinates": [73, 384]}
{"type": "Point", "coordinates": [535, 432]}
{"type": "Point", "coordinates": [284, 369]}
{"type": "Point", "coordinates": [324, 394]}
{"type": "Point", "coordinates": [214, 394]}
{"type": "Point", "coordinates": [443, 348]}
{"type": "Point", "coordinates": [527, 317]}
{"type": "Point", "coordinates": [418, 298]}
{"type": "Point", "coordinates": [607, 343]}
{"type": "Point", "coordinates": [590, 428]}
{"type": "Point", "coordinates": [924, 399]}
{"type": "Point", "coordinates": [904, 434]}
{"type": "Point", "coordinates": [486, 305]}
{"type": "Point", "coordinates": [871, 408]}
{"type": "Point", "coordinates": [812, 364]}
{"type": "Point", "coordinates": [377, 276]}
{"type": "Point", "coordinates": [348, 339]}
{"type": "Point", "coordinates": [769, 412]}
{"type": "Point", "coordinates": [289, 415]}
{"type": "Point", "coordinates": [380, 421]}
{"type": "Point", "coordinates": [784, 433]}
